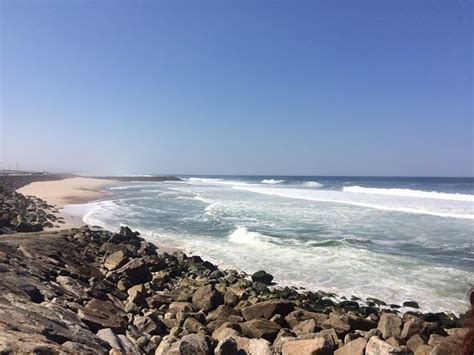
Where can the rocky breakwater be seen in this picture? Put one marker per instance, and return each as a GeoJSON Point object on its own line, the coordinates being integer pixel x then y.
{"type": "Point", "coordinates": [93, 291]}
{"type": "Point", "coordinates": [19, 213]}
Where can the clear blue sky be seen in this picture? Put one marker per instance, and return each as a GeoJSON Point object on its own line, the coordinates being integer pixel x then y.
{"type": "Point", "coordinates": [238, 87]}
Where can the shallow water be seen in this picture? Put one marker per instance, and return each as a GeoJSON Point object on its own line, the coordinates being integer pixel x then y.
{"type": "Point", "coordinates": [396, 239]}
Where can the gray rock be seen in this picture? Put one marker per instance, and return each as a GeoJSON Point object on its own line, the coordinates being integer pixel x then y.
{"type": "Point", "coordinates": [149, 324]}
{"type": "Point", "coordinates": [354, 347]}
{"type": "Point", "coordinates": [263, 277]}
{"type": "Point", "coordinates": [260, 328]}
{"type": "Point", "coordinates": [115, 260]}
{"type": "Point", "coordinates": [267, 309]}
{"type": "Point", "coordinates": [390, 325]}
{"type": "Point", "coordinates": [207, 298]}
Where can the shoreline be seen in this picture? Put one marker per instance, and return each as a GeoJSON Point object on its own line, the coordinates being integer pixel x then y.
{"type": "Point", "coordinates": [69, 191]}
{"type": "Point", "coordinates": [183, 301]}
{"type": "Point", "coordinates": [77, 191]}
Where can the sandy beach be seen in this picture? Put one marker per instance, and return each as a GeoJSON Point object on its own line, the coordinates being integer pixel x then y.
{"type": "Point", "coordinates": [68, 191]}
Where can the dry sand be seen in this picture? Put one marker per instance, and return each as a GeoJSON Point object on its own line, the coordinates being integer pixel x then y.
{"type": "Point", "coordinates": [67, 192]}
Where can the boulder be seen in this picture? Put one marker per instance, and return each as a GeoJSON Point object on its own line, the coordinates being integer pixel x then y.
{"type": "Point", "coordinates": [136, 271]}
{"type": "Point", "coordinates": [299, 315]}
{"type": "Point", "coordinates": [411, 327]}
{"type": "Point", "coordinates": [196, 344]}
{"type": "Point", "coordinates": [283, 336]}
{"type": "Point", "coordinates": [267, 309]}
{"type": "Point", "coordinates": [447, 346]}
{"type": "Point", "coordinates": [115, 260]}
{"type": "Point", "coordinates": [226, 330]}
{"type": "Point", "coordinates": [424, 350]}
{"type": "Point", "coordinates": [176, 307]}
{"type": "Point", "coordinates": [165, 345]}
{"type": "Point", "coordinates": [263, 277]}
{"type": "Point", "coordinates": [317, 346]}
{"type": "Point", "coordinates": [354, 347]}
{"type": "Point", "coordinates": [149, 324]}
{"type": "Point", "coordinates": [97, 314]}
{"type": "Point", "coordinates": [192, 325]}
{"type": "Point", "coordinates": [231, 298]}
{"type": "Point", "coordinates": [376, 346]}
{"type": "Point", "coordinates": [226, 346]}
{"type": "Point", "coordinates": [207, 298]}
{"type": "Point", "coordinates": [253, 346]}
{"type": "Point", "coordinates": [414, 342]}
{"type": "Point", "coordinates": [306, 326]}
{"type": "Point", "coordinates": [222, 312]}
{"type": "Point", "coordinates": [411, 304]}
{"type": "Point", "coordinates": [260, 328]}
{"type": "Point", "coordinates": [390, 325]}
{"type": "Point", "coordinates": [111, 338]}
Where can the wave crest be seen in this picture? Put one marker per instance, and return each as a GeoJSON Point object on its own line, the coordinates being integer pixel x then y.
{"type": "Point", "coordinates": [272, 181]}
{"type": "Point", "coordinates": [243, 236]}
{"type": "Point", "coordinates": [409, 193]}
{"type": "Point", "coordinates": [312, 184]}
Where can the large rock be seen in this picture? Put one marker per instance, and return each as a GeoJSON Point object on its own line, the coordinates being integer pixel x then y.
{"type": "Point", "coordinates": [222, 312]}
{"type": "Point", "coordinates": [226, 330]}
{"type": "Point", "coordinates": [192, 325]}
{"type": "Point", "coordinates": [306, 326]}
{"type": "Point", "coordinates": [411, 327]}
{"type": "Point", "coordinates": [207, 298]}
{"type": "Point", "coordinates": [99, 314]}
{"type": "Point", "coordinates": [390, 325]}
{"type": "Point", "coordinates": [424, 350]}
{"type": "Point", "coordinates": [176, 307]}
{"type": "Point", "coordinates": [343, 323]}
{"type": "Point", "coordinates": [119, 342]}
{"type": "Point", "coordinates": [263, 277]}
{"type": "Point", "coordinates": [165, 345]}
{"type": "Point", "coordinates": [414, 342]}
{"type": "Point", "coordinates": [115, 260]}
{"type": "Point", "coordinates": [376, 346]}
{"type": "Point", "coordinates": [72, 286]}
{"type": "Point", "coordinates": [253, 346]}
{"type": "Point", "coordinates": [354, 347]}
{"type": "Point", "coordinates": [447, 346]}
{"type": "Point", "coordinates": [196, 344]}
{"type": "Point", "coordinates": [317, 346]}
{"type": "Point", "coordinates": [260, 328]}
{"type": "Point", "coordinates": [149, 324]}
{"type": "Point", "coordinates": [136, 271]}
{"type": "Point", "coordinates": [267, 309]}
{"type": "Point", "coordinates": [299, 315]}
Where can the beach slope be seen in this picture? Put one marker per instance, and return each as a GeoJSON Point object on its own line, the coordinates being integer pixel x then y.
{"type": "Point", "coordinates": [68, 191]}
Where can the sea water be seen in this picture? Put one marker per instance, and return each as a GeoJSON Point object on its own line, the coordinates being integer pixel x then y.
{"type": "Point", "coordinates": [395, 239]}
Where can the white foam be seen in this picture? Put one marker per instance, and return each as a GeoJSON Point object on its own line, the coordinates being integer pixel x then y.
{"type": "Point", "coordinates": [312, 184]}
{"type": "Point", "coordinates": [365, 273]}
{"type": "Point", "coordinates": [243, 236]}
{"type": "Point", "coordinates": [209, 181]}
{"type": "Point", "coordinates": [451, 209]}
{"type": "Point", "coordinates": [272, 181]}
{"type": "Point", "coordinates": [410, 193]}
{"type": "Point", "coordinates": [128, 187]}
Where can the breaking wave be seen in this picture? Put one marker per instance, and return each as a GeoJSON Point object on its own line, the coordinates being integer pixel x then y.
{"type": "Point", "coordinates": [312, 184]}
{"type": "Point", "coordinates": [272, 181]}
{"type": "Point", "coordinates": [410, 193]}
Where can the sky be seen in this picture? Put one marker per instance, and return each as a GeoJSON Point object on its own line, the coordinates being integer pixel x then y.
{"type": "Point", "coordinates": [238, 87]}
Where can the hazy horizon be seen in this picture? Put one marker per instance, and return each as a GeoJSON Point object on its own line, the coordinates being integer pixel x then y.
{"type": "Point", "coordinates": [238, 88]}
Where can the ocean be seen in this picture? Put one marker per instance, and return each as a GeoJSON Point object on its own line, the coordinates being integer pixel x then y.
{"type": "Point", "coordinates": [396, 239]}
